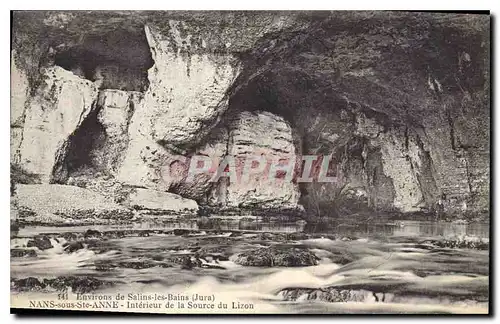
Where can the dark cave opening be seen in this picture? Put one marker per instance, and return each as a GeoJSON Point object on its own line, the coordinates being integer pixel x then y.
{"type": "Point", "coordinates": [116, 60]}
{"type": "Point", "coordinates": [316, 112]}
{"type": "Point", "coordinates": [82, 143]}
{"type": "Point", "coordinates": [79, 61]}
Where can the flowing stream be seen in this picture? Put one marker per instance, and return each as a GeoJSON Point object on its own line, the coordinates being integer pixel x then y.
{"type": "Point", "coordinates": [391, 267]}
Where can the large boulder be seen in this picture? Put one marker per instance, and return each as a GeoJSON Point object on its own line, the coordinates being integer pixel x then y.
{"type": "Point", "coordinates": [276, 256]}
{"type": "Point", "coordinates": [160, 201]}
{"type": "Point", "coordinates": [265, 135]}
{"type": "Point", "coordinates": [41, 242]}
{"type": "Point", "coordinates": [148, 164]}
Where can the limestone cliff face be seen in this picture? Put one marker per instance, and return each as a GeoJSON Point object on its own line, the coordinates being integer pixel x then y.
{"type": "Point", "coordinates": [116, 108]}
{"type": "Point", "coordinates": [59, 106]}
{"type": "Point", "coordinates": [393, 103]}
{"type": "Point", "coordinates": [259, 134]}
{"type": "Point", "coordinates": [399, 100]}
{"type": "Point", "coordinates": [187, 91]}
{"type": "Point", "coordinates": [20, 89]}
{"type": "Point", "coordinates": [187, 94]}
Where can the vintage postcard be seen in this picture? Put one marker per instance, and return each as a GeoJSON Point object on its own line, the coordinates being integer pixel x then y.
{"type": "Point", "coordinates": [250, 162]}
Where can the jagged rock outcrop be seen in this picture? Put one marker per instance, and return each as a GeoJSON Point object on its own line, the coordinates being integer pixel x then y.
{"type": "Point", "coordinates": [58, 108]}
{"type": "Point", "coordinates": [187, 95]}
{"type": "Point", "coordinates": [187, 86]}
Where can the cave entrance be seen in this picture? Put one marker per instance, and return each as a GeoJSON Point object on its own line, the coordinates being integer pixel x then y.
{"type": "Point", "coordinates": [77, 158]}
{"type": "Point", "coordinates": [116, 60]}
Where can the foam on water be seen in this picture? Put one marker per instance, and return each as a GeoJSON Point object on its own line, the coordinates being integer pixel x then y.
{"type": "Point", "coordinates": [381, 277]}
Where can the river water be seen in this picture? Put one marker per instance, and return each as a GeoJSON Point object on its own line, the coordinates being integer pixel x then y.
{"type": "Point", "coordinates": [391, 267]}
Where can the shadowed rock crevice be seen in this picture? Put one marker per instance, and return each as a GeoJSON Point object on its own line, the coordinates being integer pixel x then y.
{"type": "Point", "coordinates": [116, 60]}
{"type": "Point", "coordinates": [76, 155]}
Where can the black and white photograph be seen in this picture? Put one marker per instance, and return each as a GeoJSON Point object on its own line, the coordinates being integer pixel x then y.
{"type": "Point", "coordinates": [250, 162]}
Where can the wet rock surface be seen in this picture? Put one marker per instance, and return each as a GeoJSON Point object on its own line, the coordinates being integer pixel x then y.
{"type": "Point", "coordinates": [463, 243]}
{"type": "Point", "coordinates": [277, 257]}
{"type": "Point", "coordinates": [92, 234]}
{"type": "Point", "coordinates": [376, 293]}
{"type": "Point", "coordinates": [331, 295]}
{"type": "Point", "coordinates": [40, 242]}
{"type": "Point", "coordinates": [179, 232]}
{"type": "Point", "coordinates": [72, 247]}
{"type": "Point", "coordinates": [26, 284]}
{"type": "Point", "coordinates": [18, 253]}
{"type": "Point", "coordinates": [77, 284]}
{"type": "Point", "coordinates": [136, 265]}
